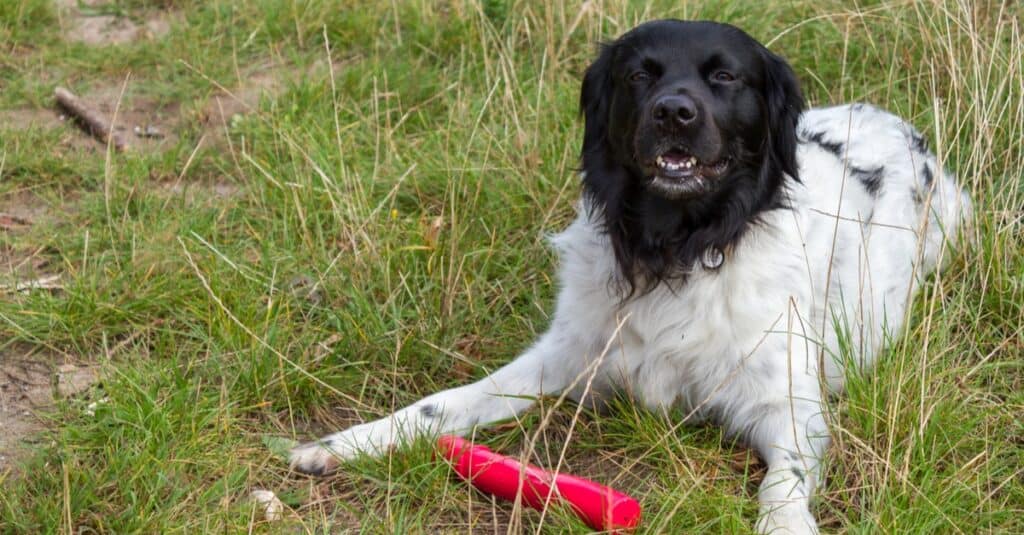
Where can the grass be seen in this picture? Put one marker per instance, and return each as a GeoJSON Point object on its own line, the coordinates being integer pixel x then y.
{"type": "Point", "coordinates": [373, 231]}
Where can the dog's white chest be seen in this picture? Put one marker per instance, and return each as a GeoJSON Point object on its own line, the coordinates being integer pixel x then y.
{"type": "Point", "coordinates": [698, 348]}
{"type": "Point", "coordinates": [699, 345]}
{"type": "Point", "coordinates": [671, 350]}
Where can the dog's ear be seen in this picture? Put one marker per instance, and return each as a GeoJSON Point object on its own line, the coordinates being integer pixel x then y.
{"type": "Point", "coordinates": [595, 99]}
{"type": "Point", "coordinates": [785, 104]}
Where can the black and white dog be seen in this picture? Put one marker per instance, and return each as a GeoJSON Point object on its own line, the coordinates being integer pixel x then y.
{"type": "Point", "coordinates": [726, 242]}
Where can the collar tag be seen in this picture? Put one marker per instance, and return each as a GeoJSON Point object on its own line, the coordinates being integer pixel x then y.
{"type": "Point", "coordinates": [713, 258]}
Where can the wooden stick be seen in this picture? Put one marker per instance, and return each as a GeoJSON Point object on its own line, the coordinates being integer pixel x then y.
{"type": "Point", "coordinates": [89, 119]}
{"type": "Point", "coordinates": [50, 282]}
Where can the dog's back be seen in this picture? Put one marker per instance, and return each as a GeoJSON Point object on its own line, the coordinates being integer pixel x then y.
{"type": "Point", "coordinates": [874, 197]}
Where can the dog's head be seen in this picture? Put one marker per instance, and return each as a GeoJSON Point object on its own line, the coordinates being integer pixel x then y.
{"type": "Point", "coordinates": [690, 133]}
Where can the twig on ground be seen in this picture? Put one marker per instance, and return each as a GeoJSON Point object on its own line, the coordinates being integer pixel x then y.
{"type": "Point", "coordinates": [92, 121]}
{"type": "Point", "coordinates": [50, 282]}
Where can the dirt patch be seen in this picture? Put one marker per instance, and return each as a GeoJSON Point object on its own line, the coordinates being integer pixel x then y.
{"type": "Point", "coordinates": [244, 97]}
{"type": "Point", "coordinates": [93, 23]}
{"type": "Point", "coordinates": [144, 123]}
{"type": "Point", "coordinates": [26, 118]}
{"type": "Point", "coordinates": [19, 267]}
{"type": "Point", "coordinates": [198, 192]}
{"type": "Point", "coordinates": [234, 99]}
{"type": "Point", "coordinates": [109, 29]}
{"type": "Point", "coordinates": [147, 124]}
{"type": "Point", "coordinates": [264, 80]}
{"type": "Point", "coordinates": [30, 380]}
{"type": "Point", "coordinates": [24, 206]}
{"type": "Point", "coordinates": [29, 383]}
{"type": "Point", "coordinates": [47, 119]}
{"type": "Point", "coordinates": [25, 264]}
{"type": "Point", "coordinates": [192, 189]}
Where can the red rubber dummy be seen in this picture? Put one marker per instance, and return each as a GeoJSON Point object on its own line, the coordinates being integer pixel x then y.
{"type": "Point", "coordinates": [601, 507]}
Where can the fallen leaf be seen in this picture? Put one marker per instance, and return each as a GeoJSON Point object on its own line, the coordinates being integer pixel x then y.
{"type": "Point", "coordinates": [432, 230]}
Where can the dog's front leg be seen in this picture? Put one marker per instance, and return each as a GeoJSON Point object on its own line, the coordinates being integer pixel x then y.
{"type": "Point", "coordinates": [546, 368]}
{"type": "Point", "coordinates": [791, 437]}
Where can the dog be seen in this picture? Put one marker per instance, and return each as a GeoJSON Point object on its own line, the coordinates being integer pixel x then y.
{"type": "Point", "coordinates": [733, 256]}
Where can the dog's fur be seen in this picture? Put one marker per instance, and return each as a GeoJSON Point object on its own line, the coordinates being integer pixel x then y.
{"type": "Point", "coordinates": [722, 288]}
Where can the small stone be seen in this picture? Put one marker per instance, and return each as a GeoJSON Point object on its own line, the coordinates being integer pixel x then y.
{"type": "Point", "coordinates": [273, 508]}
{"type": "Point", "coordinates": [149, 131]}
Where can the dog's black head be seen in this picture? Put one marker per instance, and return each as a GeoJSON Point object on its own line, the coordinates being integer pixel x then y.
{"type": "Point", "coordinates": [690, 134]}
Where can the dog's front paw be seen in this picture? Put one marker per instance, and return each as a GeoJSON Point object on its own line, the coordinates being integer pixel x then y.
{"type": "Point", "coordinates": [787, 520]}
{"type": "Point", "coordinates": [313, 458]}
{"type": "Point", "coordinates": [323, 456]}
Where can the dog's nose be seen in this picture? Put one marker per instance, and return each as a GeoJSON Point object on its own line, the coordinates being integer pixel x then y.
{"type": "Point", "coordinates": [675, 110]}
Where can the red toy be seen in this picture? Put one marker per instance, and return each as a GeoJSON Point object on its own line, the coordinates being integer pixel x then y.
{"type": "Point", "coordinates": [601, 507]}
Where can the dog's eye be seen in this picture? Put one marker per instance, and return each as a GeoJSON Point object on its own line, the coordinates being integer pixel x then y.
{"type": "Point", "coordinates": [723, 76]}
{"type": "Point", "coordinates": [640, 77]}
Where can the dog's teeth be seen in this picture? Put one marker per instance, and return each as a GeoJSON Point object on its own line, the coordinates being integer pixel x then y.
{"type": "Point", "coordinates": [672, 165]}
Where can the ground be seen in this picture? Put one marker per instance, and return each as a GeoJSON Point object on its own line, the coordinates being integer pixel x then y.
{"type": "Point", "coordinates": [325, 211]}
{"type": "Point", "coordinates": [29, 383]}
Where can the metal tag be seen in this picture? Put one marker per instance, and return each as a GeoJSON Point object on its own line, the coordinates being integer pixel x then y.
{"type": "Point", "coordinates": [713, 258]}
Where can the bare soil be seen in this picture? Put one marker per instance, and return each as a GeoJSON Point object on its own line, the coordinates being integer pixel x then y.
{"type": "Point", "coordinates": [30, 380]}
{"type": "Point", "coordinates": [147, 124]}
{"type": "Point", "coordinates": [155, 122]}
{"type": "Point", "coordinates": [134, 113]}
{"type": "Point", "coordinates": [88, 23]}
{"type": "Point", "coordinates": [30, 383]}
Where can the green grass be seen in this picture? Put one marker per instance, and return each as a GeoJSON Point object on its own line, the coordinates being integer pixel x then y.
{"type": "Point", "coordinates": [379, 235]}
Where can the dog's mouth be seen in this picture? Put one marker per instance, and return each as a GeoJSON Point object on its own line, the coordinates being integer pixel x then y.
{"type": "Point", "coordinates": [679, 173]}
{"type": "Point", "coordinates": [678, 163]}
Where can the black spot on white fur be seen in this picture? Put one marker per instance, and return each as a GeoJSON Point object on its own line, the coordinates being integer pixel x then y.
{"type": "Point", "coordinates": [915, 193]}
{"type": "Point", "coordinates": [871, 178]}
{"type": "Point", "coordinates": [428, 411]}
{"type": "Point", "coordinates": [927, 175]}
{"type": "Point", "coordinates": [799, 475]}
{"type": "Point", "coordinates": [918, 143]}
{"type": "Point", "coordinates": [818, 138]}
